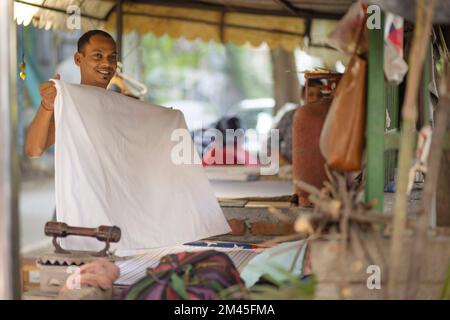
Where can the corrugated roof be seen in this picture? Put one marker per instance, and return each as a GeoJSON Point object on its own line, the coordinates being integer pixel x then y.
{"type": "Point", "coordinates": [305, 8]}
{"type": "Point", "coordinates": [279, 23]}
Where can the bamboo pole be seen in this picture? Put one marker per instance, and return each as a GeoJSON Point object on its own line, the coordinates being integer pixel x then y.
{"type": "Point", "coordinates": [440, 128]}
{"type": "Point", "coordinates": [424, 16]}
{"type": "Point", "coordinates": [9, 162]}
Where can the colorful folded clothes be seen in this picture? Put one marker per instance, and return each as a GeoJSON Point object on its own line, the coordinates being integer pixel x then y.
{"type": "Point", "coordinates": [201, 275]}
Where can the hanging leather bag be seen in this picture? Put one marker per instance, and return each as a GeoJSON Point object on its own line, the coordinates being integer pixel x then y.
{"type": "Point", "coordinates": [343, 133]}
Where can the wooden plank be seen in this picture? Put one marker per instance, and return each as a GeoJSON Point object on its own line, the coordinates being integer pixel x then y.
{"type": "Point", "coordinates": [267, 204]}
{"type": "Point", "coordinates": [442, 193]}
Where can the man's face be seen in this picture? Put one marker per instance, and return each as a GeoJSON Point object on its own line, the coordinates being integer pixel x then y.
{"type": "Point", "coordinates": [313, 94]}
{"type": "Point", "coordinates": [97, 61]}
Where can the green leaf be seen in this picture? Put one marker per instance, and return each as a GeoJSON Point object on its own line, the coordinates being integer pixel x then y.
{"type": "Point", "coordinates": [177, 284]}
{"type": "Point", "coordinates": [140, 286]}
{"type": "Point", "coordinates": [445, 294]}
{"type": "Point", "coordinates": [187, 272]}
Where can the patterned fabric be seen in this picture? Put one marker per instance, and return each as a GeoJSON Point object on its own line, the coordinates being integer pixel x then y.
{"type": "Point", "coordinates": [187, 276]}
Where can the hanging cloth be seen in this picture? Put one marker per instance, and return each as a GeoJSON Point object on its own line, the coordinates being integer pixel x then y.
{"type": "Point", "coordinates": [115, 165]}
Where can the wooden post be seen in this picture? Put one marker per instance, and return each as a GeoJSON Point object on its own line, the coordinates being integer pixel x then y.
{"type": "Point", "coordinates": [9, 162]}
{"type": "Point", "coordinates": [375, 118]}
{"type": "Point", "coordinates": [286, 86]}
{"type": "Point", "coordinates": [443, 184]}
{"type": "Point", "coordinates": [119, 29]}
{"type": "Point", "coordinates": [426, 115]}
{"type": "Point", "coordinates": [434, 162]}
{"type": "Point", "coordinates": [424, 16]}
{"type": "Point", "coordinates": [442, 192]}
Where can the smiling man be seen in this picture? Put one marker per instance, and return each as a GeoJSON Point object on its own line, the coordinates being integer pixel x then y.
{"type": "Point", "coordinates": [97, 58]}
{"type": "Point", "coordinates": [104, 161]}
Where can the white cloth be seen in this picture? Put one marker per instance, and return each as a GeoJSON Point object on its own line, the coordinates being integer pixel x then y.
{"type": "Point", "coordinates": [113, 167]}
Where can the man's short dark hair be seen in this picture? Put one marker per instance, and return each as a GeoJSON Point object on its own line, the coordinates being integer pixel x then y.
{"type": "Point", "coordinates": [84, 39]}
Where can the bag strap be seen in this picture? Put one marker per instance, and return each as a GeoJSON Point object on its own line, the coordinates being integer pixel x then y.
{"type": "Point", "coordinates": [360, 36]}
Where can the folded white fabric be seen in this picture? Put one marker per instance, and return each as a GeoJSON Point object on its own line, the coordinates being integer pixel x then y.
{"type": "Point", "coordinates": [113, 166]}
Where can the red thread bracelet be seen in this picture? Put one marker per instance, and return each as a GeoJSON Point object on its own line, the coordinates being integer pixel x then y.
{"type": "Point", "coordinates": [51, 110]}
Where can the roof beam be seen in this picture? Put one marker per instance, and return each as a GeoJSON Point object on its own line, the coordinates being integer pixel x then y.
{"type": "Point", "coordinates": [308, 14]}
{"type": "Point", "coordinates": [287, 6]}
{"type": "Point", "coordinates": [195, 4]}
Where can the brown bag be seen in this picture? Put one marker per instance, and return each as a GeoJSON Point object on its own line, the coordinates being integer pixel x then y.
{"type": "Point", "coordinates": [342, 136]}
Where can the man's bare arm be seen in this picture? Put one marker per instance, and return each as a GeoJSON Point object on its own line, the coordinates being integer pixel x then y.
{"type": "Point", "coordinates": [40, 134]}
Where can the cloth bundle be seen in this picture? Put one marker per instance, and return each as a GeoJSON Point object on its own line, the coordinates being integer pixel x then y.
{"type": "Point", "coordinates": [187, 276]}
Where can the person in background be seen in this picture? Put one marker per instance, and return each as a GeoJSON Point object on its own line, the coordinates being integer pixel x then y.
{"type": "Point", "coordinates": [231, 152]}
{"type": "Point", "coordinates": [285, 124]}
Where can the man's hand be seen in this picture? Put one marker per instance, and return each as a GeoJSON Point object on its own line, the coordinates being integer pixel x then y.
{"type": "Point", "coordinates": [48, 93]}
